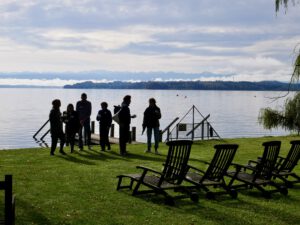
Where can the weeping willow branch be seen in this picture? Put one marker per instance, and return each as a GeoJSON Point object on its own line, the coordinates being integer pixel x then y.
{"type": "Point", "coordinates": [279, 3]}
{"type": "Point", "coordinates": [295, 76]}
{"type": "Point", "coordinates": [288, 118]}
{"type": "Point", "coordinates": [296, 72]}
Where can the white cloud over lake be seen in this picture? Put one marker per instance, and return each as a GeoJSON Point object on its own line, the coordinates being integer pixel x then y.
{"type": "Point", "coordinates": [243, 39]}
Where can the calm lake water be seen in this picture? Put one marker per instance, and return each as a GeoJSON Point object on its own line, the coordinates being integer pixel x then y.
{"type": "Point", "coordinates": [232, 113]}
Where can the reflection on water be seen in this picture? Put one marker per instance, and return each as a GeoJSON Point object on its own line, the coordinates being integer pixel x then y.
{"type": "Point", "coordinates": [232, 113]}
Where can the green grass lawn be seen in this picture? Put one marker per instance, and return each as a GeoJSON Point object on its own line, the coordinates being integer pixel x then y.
{"type": "Point", "coordinates": [80, 188]}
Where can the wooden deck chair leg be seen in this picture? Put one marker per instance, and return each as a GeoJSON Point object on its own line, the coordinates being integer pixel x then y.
{"type": "Point", "coordinates": [119, 183]}
{"type": "Point", "coordinates": [136, 188]}
{"type": "Point", "coordinates": [279, 188]}
{"type": "Point", "coordinates": [119, 186]}
{"type": "Point", "coordinates": [288, 183]}
{"type": "Point", "coordinates": [231, 191]}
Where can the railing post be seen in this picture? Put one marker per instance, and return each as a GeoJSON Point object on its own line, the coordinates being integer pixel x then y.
{"type": "Point", "coordinates": [112, 130]}
{"type": "Point", "coordinates": [168, 134]}
{"type": "Point", "coordinates": [202, 130]}
{"type": "Point", "coordinates": [133, 134]}
{"type": "Point", "coordinates": [167, 129]}
{"type": "Point", "coordinates": [129, 138]}
{"type": "Point", "coordinates": [93, 127]}
{"type": "Point", "coordinates": [211, 131]}
{"type": "Point", "coordinates": [160, 136]}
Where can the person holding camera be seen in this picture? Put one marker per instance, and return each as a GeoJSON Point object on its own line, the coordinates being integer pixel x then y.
{"type": "Point", "coordinates": [71, 119]}
{"type": "Point", "coordinates": [124, 124]}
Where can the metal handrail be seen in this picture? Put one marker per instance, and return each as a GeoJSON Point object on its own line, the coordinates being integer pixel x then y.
{"type": "Point", "coordinates": [168, 127]}
{"type": "Point", "coordinates": [198, 125]}
{"type": "Point", "coordinates": [42, 138]}
{"type": "Point", "coordinates": [41, 128]}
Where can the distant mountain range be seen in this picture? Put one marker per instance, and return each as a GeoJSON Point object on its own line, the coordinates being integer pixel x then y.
{"type": "Point", "coordinates": [112, 75]}
{"type": "Point", "coordinates": [190, 85]}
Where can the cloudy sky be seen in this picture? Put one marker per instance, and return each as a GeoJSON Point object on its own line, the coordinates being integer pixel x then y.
{"type": "Point", "coordinates": [240, 39]}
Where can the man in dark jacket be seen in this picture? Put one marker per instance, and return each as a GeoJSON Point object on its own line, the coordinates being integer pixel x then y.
{"type": "Point", "coordinates": [105, 119]}
{"type": "Point", "coordinates": [56, 127]}
{"type": "Point", "coordinates": [151, 121]}
{"type": "Point", "coordinates": [124, 123]}
{"type": "Point", "coordinates": [84, 110]}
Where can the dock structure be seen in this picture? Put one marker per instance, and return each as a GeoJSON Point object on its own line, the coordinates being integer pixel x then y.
{"type": "Point", "coordinates": [95, 138]}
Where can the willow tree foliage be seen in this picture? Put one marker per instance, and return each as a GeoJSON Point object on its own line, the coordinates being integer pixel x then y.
{"type": "Point", "coordinates": [278, 3]}
{"type": "Point", "coordinates": [288, 118]}
{"type": "Point", "coordinates": [296, 72]}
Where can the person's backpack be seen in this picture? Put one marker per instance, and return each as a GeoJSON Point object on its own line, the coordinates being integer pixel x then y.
{"type": "Point", "coordinates": [117, 108]}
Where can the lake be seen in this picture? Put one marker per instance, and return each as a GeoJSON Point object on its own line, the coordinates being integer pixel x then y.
{"type": "Point", "coordinates": [232, 113]}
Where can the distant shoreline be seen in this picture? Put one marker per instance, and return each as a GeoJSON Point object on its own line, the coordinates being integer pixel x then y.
{"type": "Point", "coordinates": [190, 85]}
{"type": "Point", "coordinates": [175, 85]}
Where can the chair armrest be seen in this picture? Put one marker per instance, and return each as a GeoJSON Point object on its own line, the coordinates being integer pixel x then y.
{"type": "Point", "coordinates": [146, 169]}
{"type": "Point", "coordinates": [252, 161]}
{"type": "Point", "coordinates": [203, 161]}
{"type": "Point", "coordinates": [194, 168]}
{"type": "Point", "coordinates": [239, 167]}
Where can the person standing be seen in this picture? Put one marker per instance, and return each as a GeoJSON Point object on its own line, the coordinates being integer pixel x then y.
{"type": "Point", "coordinates": [70, 117]}
{"type": "Point", "coordinates": [105, 119]}
{"type": "Point", "coordinates": [124, 123]}
{"type": "Point", "coordinates": [152, 115]}
{"type": "Point", "coordinates": [84, 110]}
{"type": "Point", "coordinates": [56, 127]}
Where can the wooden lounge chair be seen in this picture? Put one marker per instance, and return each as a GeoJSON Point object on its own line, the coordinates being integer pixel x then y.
{"type": "Point", "coordinates": [260, 175]}
{"type": "Point", "coordinates": [284, 167]}
{"type": "Point", "coordinates": [170, 178]}
{"type": "Point", "coordinates": [9, 201]}
{"type": "Point", "coordinates": [214, 175]}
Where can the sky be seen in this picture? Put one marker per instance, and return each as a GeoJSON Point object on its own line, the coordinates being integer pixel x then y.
{"type": "Point", "coordinates": [236, 40]}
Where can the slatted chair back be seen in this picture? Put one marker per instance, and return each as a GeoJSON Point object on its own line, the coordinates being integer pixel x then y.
{"type": "Point", "coordinates": [175, 166]}
{"type": "Point", "coordinates": [221, 161]}
{"type": "Point", "coordinates": [292, 157]}
{"type": "Point", "coordinates": [268, 161]}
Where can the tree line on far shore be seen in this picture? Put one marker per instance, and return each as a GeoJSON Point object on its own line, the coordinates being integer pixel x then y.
{"type": "Point", "coordinates": [190, 85]}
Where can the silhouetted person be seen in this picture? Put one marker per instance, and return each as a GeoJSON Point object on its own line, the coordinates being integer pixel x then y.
{"type": "Point", "coordinates": [56, 127]}
{"type": "Point", "coordinates": [105, 119]}
{"type": "Point", "coordinates": [152, 115]}
{"type": "Point", "coordinates": [70, 117]}
{"type": "Point", "coordinates": [125, 119]}
{"type": "Point", "coordinates": [84, 110]}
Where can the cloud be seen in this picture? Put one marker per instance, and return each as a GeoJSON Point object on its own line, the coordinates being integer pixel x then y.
{"type": "Point", "coordinates": [191, 36]}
